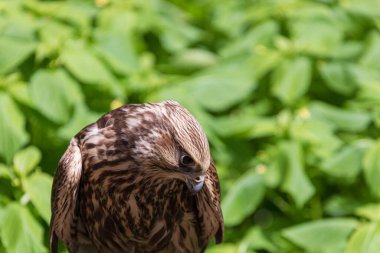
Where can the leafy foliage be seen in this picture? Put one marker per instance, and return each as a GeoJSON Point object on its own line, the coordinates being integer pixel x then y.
{"type": "Point", "coordinates": [288, 92]}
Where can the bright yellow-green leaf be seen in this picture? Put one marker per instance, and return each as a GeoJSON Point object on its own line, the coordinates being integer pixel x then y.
{"type": "Point", "coordinates": [26, 160]}
{"type": "Point", "coordinates": [369, 211]}
{"type": "Point", "coordinates": [366, 239]}
{"type": "Point", "coordinates": [20, 231]}
{"type": "Point", "coordinates": [38, 188]}
{"type": "Point", "coordinates": [223, 248]}
{"type": "Point", "coordinates": [5, 172]}
{"type": "Point", "coordinates": [194, 59]}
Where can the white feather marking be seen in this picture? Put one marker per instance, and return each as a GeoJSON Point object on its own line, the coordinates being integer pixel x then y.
{"type": "Point", "coordinates": [154, 134]}
{"type": "Point", "coordinates": [75, 159]}
{"type": "Point", "coordinates": [133, 123]}
{"type": "Point", "coordinates": [91, 131]}
{"type": "Point", "coordinates": [143, 146]}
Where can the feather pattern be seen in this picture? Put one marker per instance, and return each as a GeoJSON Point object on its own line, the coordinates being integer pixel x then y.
{"type": "Point", "coordinates": [121, 185]}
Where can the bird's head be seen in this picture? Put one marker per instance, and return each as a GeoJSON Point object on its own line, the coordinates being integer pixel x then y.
{"type": "Point", "coordinates": [170, 141]}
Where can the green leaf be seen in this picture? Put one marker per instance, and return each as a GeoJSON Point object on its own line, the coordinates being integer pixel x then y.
{"type": "Point", "coordinates": [78, 15]}
{"type": "Point", "coordinates": [369, 211]}
{"type": "Point", "coordinates": [261, 34]}
{"type": "Point", "coordinates": [5, 172]}
{"type": "Point", "coordinates": [20, 93]}
{"type": "Point", "coordinates": [26, 160]}
{"type": "Point", "coordinates": [274, 169]}
{"type": "Point", "coordinates": [243, 198]}
{"type": "Point", "coordinates": [347, 50]}
{"type": "Point", "coordinates": [117, 49]}
{"type": "Point", "coordinates": [195, 58]}
{"type": "Point", "coordinates": [256, 240]}
{"type": "Point", "coordinates": [17, 24]}
{"type": "Point", "coordinates": [364, 76]}
{"type": "Point", "coordinates": [53, 34]}
{"type": "Point", "coordinates": [20, 232]}
{"type": "Point", "coordinates": [250, 126]}
{"type": "Point", "coordinates": [372, 168]}
{"type": "Point", "coordinates": [339, 205]}
{"type": "Point", "coordinates": [223, 248]}
{"type": "Point", "coordinates": [371, 57]}
{"type": "Point", "coordinates": [54, 93]}
{"type": "Point", "coordinates": [82, 62]}
{"type": "Point", "coordinates": [175, 38]}
{"type": "Point", "coordinates": [233, 86]}
{"type": "Point", "coordinates": [13, 53]}
{"type": "Point", "coordinates": [12, 128]}
{"type": "Point", "coordinates": [84, 65]}
{"type": "Point", "coordinates": [82, 117]}
{"type": "Point", "coordinates": [347, 162]}
{"type": "Point", "coordinates": [366, 239]}
{"type": "Point", "coordinates": [319, 36]}
{"type": "Point", "coordinates": [347, 120]}
{"type": "Point", "coordinates": [292, 79]}
{"type": "Point", "coordinates": [337, 77]}
{"type": "Point", "coordinates": [263, 61]}
{"type": "Point", "coordinates": [318, 134]}
{"type": "Point", "coordinates": [369, 95]}
{"type": "Point", "coordinates": [38, 187]}
{"type": "Point", "coordinates": [366, 8]}
{"type": "Point", "coordinates": [321, 235]}
{"type": "Point", "coordinates": [296, 182]}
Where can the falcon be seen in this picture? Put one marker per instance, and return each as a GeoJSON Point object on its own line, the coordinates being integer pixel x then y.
{"type": "Point", "coordinates": [139, 180]}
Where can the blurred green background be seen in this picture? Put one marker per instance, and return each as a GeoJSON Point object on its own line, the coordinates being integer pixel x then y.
{"type": "Point", "coordinates": [288, 92]}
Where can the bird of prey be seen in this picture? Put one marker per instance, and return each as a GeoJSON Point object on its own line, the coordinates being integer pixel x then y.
{"type": "Point", "coordinates": [138, 180]}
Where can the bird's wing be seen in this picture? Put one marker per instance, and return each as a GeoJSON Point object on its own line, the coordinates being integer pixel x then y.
{"type": "Point", "coordinates": [64, 199]}
{"type": "Point", "coordinates": [209, 210]}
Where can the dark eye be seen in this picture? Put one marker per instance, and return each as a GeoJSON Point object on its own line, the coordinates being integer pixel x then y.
{"type": "Point", "coordinates": [186, 160]}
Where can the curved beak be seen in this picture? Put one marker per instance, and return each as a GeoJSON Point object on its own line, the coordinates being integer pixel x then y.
{"type": "Point", "coordinates": [195, 184]}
